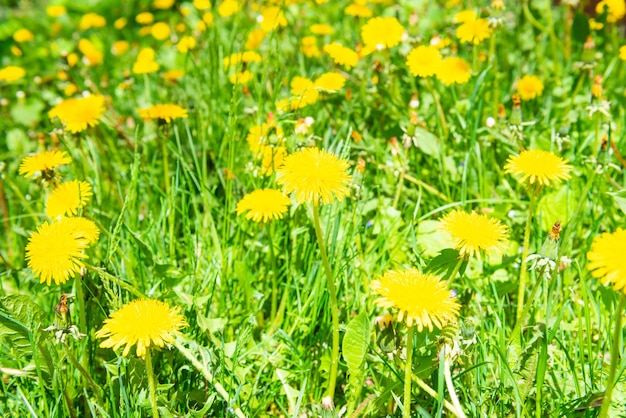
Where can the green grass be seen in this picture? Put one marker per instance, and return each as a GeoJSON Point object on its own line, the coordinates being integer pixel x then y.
{"type": "Point", "coordinates": [164, 199]}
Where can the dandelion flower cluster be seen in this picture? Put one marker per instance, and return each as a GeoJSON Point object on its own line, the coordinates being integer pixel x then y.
{"type": "Point", "coordinates": [141, 322]}
{"type": "Point", "coordinates": [421, 299]}
{"type": "Point", "coordinates": [313, 175]}
{"type": "Point", "coordinates": [43, 163]}
{"type": "Point", "coordinates": [606, 259]}
{"type": "Point", "coordinates": [538, 167]}
{"type": "Point", "coordinates": [79, 114]}
{"type": "Point", "coordinates": [473, 233]}
{"type": "Point", "coordinates": [263, 205]}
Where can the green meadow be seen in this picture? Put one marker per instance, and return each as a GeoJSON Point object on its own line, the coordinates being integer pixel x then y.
{"type": "Point", "coordinates": [312, 208]}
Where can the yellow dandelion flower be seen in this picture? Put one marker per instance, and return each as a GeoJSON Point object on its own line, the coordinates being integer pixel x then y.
{"type": "Point", "coordinates": [616, 9]}
{"type": "Point", "coordinates": [473, 233]}
{"type": "Point", "coordinates": [202, 4]}
{"type": "Point", "coordinates": [246, 57]}
{"type": "Point", "coordinates": [91, 20]}
{"type": "Point", "coordinates": [185, 44]}
{"type": "Point", "coordinates": [321, 29]}
{"type": "Point", "coordinates": [163, 4]}
{"type": "Point", "coordinates": [259, 134]}
{"type": "Point", "coordinates": [474, 31]}
{"type": "Point", "coordinates": [79, 114]}
{"type": "Point", "coordinates": [313, 175]}
{"type": "Point", "coordinates": [464, 16]}
{"type": "Point", "coordinates": [263, 205]}
{"type": "Point", "coordinates": [145, 62]}
{"type": "Point", "coordinates": [622, 53]}
{"type": "Point", "coordinates": [358, 9]}
{"type": "Point", "coordinates": [43, 163]}
{"type": "Point", "coordinates": [382, 32]}
{"type": "Point", "coordinates": [83, 228]}
{"type": "Point", "coordinates": [67, 198]}
{"type": "Point", "coordinates": [454, 70]}
{"type": "Point", "coordinates": [272, 18]}
{"type": "Point", "coordinates": [423, 61]}
{"type": "Point", "coordinates": [330, 82]}
{"type": "Point", "coordinates": [255, 37]}
{"type": "Point", "coordinates": [55, 252]}
{"type": "Point", "coordinates": [308, 46]}
{"type": "Point", "coordinates": [56, 10]}
{"type": "Point", "coordinates": [91, 54]}
{"type": "Point", "coordinates": [342, 55]}
{"type": "Point", "coordinates": [421, 299]}
{"type": "Point", "coordinates": [228, 8]}
{"type": "Point", "coordinates": [529, 87]}
{"type": "Point", "coordinates": [241, 78]}
{"type": "Point", "coordinates": [272, 158]}
{"type": "Point", "coordinates": [166, 112]}
{"type": "Point", "coordinates": [160, 31]}
{"type": "Point", "coordinates": [23, 35]}
{"type": "Point", "coordinates": [606, 259]}
{"type": "Point", "coordinates": [120, 23]}
{"type": "Point", "coordinates": [120, 47]}
{"type": "Point", "coordinates": [145, 18]}
{"type": "Point", "coordinates": [11, 73]}
{"type": "Point", "coordinates": [173, 75]}
{"type": "Point", "coordinates": [537, 166]}
{"type": "Point", "coordinates": [141, 322]}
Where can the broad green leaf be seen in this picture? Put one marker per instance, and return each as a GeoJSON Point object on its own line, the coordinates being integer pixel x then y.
{"type": "Point", "coordinates": [355, 343]}
{"type": "Point", "coordinates": [427, 142]}
{"type": "Point", "coordinates": [443, 265]}
{"type": "Point", "coordinates": [430, 240]}
{"type": "Point", "coordinates": [620, 199]}
{"type": "Point", "coordinates": [556, 206]}
{"type": "Point", "coordinates": [27, 113]}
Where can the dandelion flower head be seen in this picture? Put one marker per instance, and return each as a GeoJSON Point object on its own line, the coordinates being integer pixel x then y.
{"type": "Point", "coordinates": [382, 32]}
{"type": "Point", "coordinates": [616, 9]}
{"type": "Point", "coordinates": [141, 322]}
{"type": "Point", "coordinates": [421, 299]}
{"type": "Point", "coordinates": [67, 198]}
{"type": "Point", "coordinates": [529, 87]}
{"type": "Point", "coordinates": [79, 114]}
{"type": "Point", "coordinates": [473, 233]}
{"type": "Point", "coordinates": [454, 70]}
{"type": "Point", "coordinates": [423, 61]}
{"type": "Point", "coordinates": [606, 259]}
{"type": "Point", "coordinates": [263, 205]}
{"type": "Point", "coordinates": [43, 162]}
{"type": "Point", "coordinates": [166, 112]}
{"type": "Point", "coordinates": [537, 166]}
{"type": "Point", "coordinates": [314, 174]}
{"type": "Point", "coordinates": [83, 228]}
{"type": "Point", "coordinates": [11, 73]}
{"type": "Point", "coordinates": [330, 82]}
{"type": "Point", "coordinates": [474, 31]}
{"type": "Point", "coordinates": [622, 53]}
{"type": "Point", "coordinates": [342, 55]}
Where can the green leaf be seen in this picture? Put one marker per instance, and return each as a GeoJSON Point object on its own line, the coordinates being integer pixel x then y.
{"type": "Point", "coordinates": [556, 206]}
{"type": "Point", "coordinates": [427, 142]}
{"type": "Point", "coordinates": [355, 343]}
{"type": "Point", "coordinates": [620, 199]}
{"type": "Point", "coordinates": [443, 265]}
{"type": "Point", "coordinates": [430, 240]}
{"type": "Point", "coordinates": [580, 28]}
{"type": "Point", "coordinates": [27, 113]}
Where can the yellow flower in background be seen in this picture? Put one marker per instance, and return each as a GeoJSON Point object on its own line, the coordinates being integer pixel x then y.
{"type": "Point", "coordinates": [424, 61]}
{"type": "Point", "coordinates": [382, 32]}
{"type": "Point", "coordinates": [606, 259]}
{"type": "Point", "coordinates": [473, 233]}
{"type": "Point", "coordinates": [55, 252]}
{"type": "Point", "coordinates": [246, 57]}
{"type": "Point", "coordinates": [145, 18]}
{"type": "Point", "coordinates": [202, 4]}
{"type": "Point", "coordinates": [120, 23]}
{"type": "Point", "coordinates": [300, 85]}
{"type": "Point", "coordinates": [421, 299]}
{"type": "Point", "coordinates": [272, 18]}
{"type": "Point", "coordinates": [11, 73]}
{"type": "Point", "coordinates": [616, 9]}
{"type": "Point", "coordinates": [308, 46]}
{"type": "Point", "coordinates": [304, 92]}
{"type": "Point", "coordinates": [163, 4]}
{"type": "Point", "coordinates": [72, 59]}
{"type": "Point", "coordinates": [185, 44]}
{"type": "Point", "coordinates": [173, 75]}
{"type": "Point", "coordinates": [23, 35]}
{"type": "Point", "coordinates": [255, 37]}
{"type": "Point", "coordinates": [272, 158]}
{"type": "Point", "coordinates": [261, 134]}
{"type": "Point", "coordinates": [464, 16]}
{"type": "Point", "coordinates": [160, 31]}
{"type": "Point", "coordinates": [342, 55]}
{"type": "Point", "coordinates": [83, 228]}
{"type": "Point", "coordinates": [145, 62]}
{"type": "Point", "coordinates": [207, 19]}
{"type": "Point", "coordinates": [91, 55]}
{"type": "Point", "coordinates": [91, 20]}
{"type": "Point", "coordinates": [622, 53]}
{"type": "Point", "coordinates": [79, 114]}
{"type": "Point", "coordinates": [165, 112]}
{"type": "Point", "coordinates": [529, 87]}
{"type": "Point", "coordinates": [228, 8]}
{"type": "Point", "coordinates": [321, 29]}
{"type": "Point", "coordinates": [454, 70]}
{"type": "Point", "coordinates": [538, 167]}
{"type": "Point", "coordinates": [141, 322]}
{"type": "Point", "coordinates": [67, 198]}
{"type": "Point", "coordinates": [474, 31]}
{"type": "Point", "coordinates": [330, 82]}
{"type": "Point", "coordinates": [241, 78]}
{"type": "Point", "coordinates": [358, 9]}
{"type": "Point", "coordinates": [56, 10]}
{"type": "Point", "coordinates": [120, 47]}
{"type": "Point", "coordinates": [43, 163]}
{"type": "Point", "coordinates": [263, 205]}
{"type": "Point", "coordinates": [315, 175]}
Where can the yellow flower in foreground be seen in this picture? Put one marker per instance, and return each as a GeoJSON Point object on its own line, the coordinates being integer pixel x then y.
{"type": "Point", "coordinates": [474, 31]}
{"type": "Point", "coordinates": [55, 251]}
{"type": "Point", "coordinates": [166, 112]}
{"type": "Point", "coordinates": [342, 55]}
{"type": "Point", "coordinates": [313, 175]}
{"type": "Point", "coordinates": [141, 322]}
{"type": "Point", "coordinates": [263, 205]}
{"type": "Point", "coordinates": [529, 87]}
{"type": "Point", "coordinates": [44, 162]}
{"type": "Point", "coordinates": [423, 299]}
{"type": "Point", "coordinates": [606, 259]}
{"type": "Point", "coordinates": [536, 166]}
{"type": "Point", "coordinates": [616, 9]}
{"type": "Point", "coordinates": [423, 61]}
{"type": "Point", "coordinates": [473, 233]}
{"type": "Point", "coordinates": [11, 73]}
{"type": "Point", "coordinates": [67, 198]}
{"type": "Point", "coordinates": [622, 53]}
{"type": "Point", "coordinates": [454, 70]}
{"type": "Point", "coordinates": [382, 32]}
{"type": "Point", "coordinates": [83, 228]}
{"type": "Point", "coordinates": [79, 114]}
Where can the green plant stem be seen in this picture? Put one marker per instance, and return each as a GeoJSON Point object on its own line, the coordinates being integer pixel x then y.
{"type": "Point", "coordinates": [553, 40]}
{"type": "Point", "coordinates": [151, 383]}
{"type": "Point", "coordinates": [208, 376]}
{"type": "Point", "coordinates": [518, 324]}
{"type": "Point", "coordinates": [456, 271]}
{"type": "Point", "coordinates": [440, 112]}
{"type": "Point", "coordinates": [523, 273]}
{"type": "Point", "coordinates": [82, 317]}
{"type": "Point", "coordinates": [334, 306]}
{"type": "Point", "coordinates": [450, 385]}
{"type": "Point", "coordinates": [274, 272]}
{"type": "Point", "coordinates": [493, 59]}
{"type": "Point", "coordinates": [87, 378]}
{"type": "Point", "coordinates": [615, 356]}
{"type": "Point", "coordinates": [434, 395]}
{"type": "Point", "coordinates": [169, 198]}
{"type": "Point", "coordinates": [408, 366]}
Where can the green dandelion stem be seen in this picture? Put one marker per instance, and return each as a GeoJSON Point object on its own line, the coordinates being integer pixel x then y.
{"type": "Point", "coordinates": [450, 385]}
{"type": "Point", "coordinates": [518, 324]}
{"type": "Point", "coordinates": [151, 384]}
{"type": "Point", "coordinates": [456, 270]}
{"type": "Point", "coordinates": [523, 273]}
{"type": "Point", "coordinates": [82, 316]}
{"type": "Point", "coordinates": [440, 112]}
{"type": "Point", "coordinates": [407, 373]}
{"type": "Point", "coordinates": [433, 393]}
{"type": "Point", "coordinates": [274, 272]}
{"type": "Point", "coordinates": [334, 307]}
{"type": "Point", "coordinates": [615, 356]}
{"type": "Point", "coordinates": [493, 59]}
{"type": "Point", "coordinates": [87, 378]}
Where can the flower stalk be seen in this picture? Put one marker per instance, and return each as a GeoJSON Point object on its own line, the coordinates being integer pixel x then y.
{"type": "Point", "coordinates": [615, 356]}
